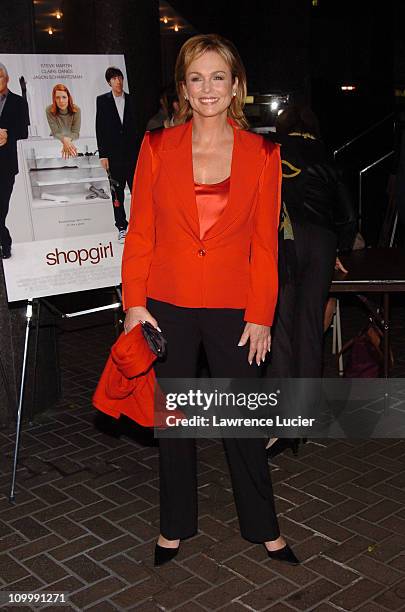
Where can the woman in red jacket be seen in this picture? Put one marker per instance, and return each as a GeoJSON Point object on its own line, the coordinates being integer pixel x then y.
{"type": "Point", "coordinates": [200, 262]}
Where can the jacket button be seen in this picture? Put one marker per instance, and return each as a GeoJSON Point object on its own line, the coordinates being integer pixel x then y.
{"type": "Point", "coordinates": [201, 253]}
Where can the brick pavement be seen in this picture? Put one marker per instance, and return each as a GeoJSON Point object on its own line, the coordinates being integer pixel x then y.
{"type": "Point", "coordinates": [86, 516]}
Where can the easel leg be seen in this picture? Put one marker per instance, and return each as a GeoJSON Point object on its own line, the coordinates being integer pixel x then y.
{"type": "Point", "coordinates": [339, 337]}
{"type": "Point", "coordinates": [28, 317]}
{"type": "Point", "coordinates": [34, 390]}
{"type": "Point", "coordinates": [23, 373]}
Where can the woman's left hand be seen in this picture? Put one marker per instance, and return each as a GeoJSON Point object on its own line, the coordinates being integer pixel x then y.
{"type": "Point", "coordinates": [339, 266]}
{"type": "Point", "coordinates": [259, 337]}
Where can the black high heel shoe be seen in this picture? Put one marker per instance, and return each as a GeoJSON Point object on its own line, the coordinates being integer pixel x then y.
{"type": "Point", "coordinates": [163, 555]}
{"type": "Point", "coordinates": [283, 443]}
{"type": "Point", "coordinates": [295, 444]}
{"type": "Point", "coordinates": [283, 554]}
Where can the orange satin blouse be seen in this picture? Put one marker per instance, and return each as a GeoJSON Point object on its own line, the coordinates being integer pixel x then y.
{"type": "Point", "coordinates": [211, 201]}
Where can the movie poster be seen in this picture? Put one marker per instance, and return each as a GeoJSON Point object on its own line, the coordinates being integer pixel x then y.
{"type": "Point", "coordinates": [61, 215]}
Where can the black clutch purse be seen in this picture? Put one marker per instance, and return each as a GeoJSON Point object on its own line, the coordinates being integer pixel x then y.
{"type": "Point", "coordinates": [155, 339]}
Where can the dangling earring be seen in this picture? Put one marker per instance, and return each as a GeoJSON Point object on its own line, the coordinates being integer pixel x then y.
{"type": "Point", "coordinates": [185, 97]}
{"type": "Point", "coordinates": [234, 93]}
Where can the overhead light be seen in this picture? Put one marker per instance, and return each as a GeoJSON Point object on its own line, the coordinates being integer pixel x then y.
{"type": "Point", "coordinates": [165, 20]}
{"type": "Point", "coordinates": [176, 28]}
{"type": "Point", "coordinates": [50, 31]}
{"type": "Point", "coordinates": [274, 105]}
{"type": "Point", "coordinates": [348, 87]}
{"type": "Point", "coordinates": [58, 15]}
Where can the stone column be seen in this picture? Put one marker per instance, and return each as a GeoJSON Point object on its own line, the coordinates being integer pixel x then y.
{"type": "Point", "coordinates": [17, 27]}
{"type": "Point", "coordinates": [16, 35]}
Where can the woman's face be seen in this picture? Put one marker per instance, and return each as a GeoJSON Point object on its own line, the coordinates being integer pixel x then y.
{"type": "Point", "coordinates": [61, 99]}
{"type": "Point", "coordinates": [209, 86]}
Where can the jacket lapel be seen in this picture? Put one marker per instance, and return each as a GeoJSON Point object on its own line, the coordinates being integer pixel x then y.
{"type": "Point", "coordinates": [7, 108]}
{"type": "Point", "coordinates": [114, 108]}
{"type": "Point", "coordinates": [177, 161]}
{"type": "Point", "coordinates": [126, 109]}
{"type": "Point", "coordinates": [247, 165]}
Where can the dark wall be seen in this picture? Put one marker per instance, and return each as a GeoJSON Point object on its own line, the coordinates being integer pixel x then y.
{"type": "Point", "coordinates": [294, 46]}
{"type": "Point", "coordinates": [170, 47]}
{"type": "Point", "coordinates": [352, 45]}
{"type": "Point", "coordinates": [272, 37]}
{"type": "Point", "coordinates": [399, 45]}
{"type": "Point", "coordinates": [16, 27]}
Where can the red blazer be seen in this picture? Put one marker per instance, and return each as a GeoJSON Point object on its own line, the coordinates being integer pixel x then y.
{"type": "Point", "coordinates": [127, 384]}
{"type": "Point", "coordinates": [235, 264]}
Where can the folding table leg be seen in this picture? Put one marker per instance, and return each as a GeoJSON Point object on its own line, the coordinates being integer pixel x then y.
{"type": "Point", "coordinates": [386, 334]}
{"type": "Point", "coordinates": [334, 333]}
{"type": "Point", "coordinates": [339, 337]}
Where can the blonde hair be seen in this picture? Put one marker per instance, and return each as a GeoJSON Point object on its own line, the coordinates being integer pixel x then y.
{"type": "Point", "coordinates": [195, 47]}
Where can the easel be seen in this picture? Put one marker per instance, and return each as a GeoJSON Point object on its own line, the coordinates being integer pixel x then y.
{"type": "Point", "coordinates": [34, 304]}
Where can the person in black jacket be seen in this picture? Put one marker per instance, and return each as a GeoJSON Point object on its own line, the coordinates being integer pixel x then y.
{"type": "Point", "coordinates": [117, 142]}
{"type": "Point", "coordinates": [14, 121]}
{"type": "Point", "coordinates": [318, 221]}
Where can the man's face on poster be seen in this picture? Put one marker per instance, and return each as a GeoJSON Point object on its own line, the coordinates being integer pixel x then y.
{"type": "Point", "coordinates": [3, 82]}
{"type": "Point", "coordinates": [117, 85]}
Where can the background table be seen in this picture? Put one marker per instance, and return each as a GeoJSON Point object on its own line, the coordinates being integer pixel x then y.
{"type": "Point", "coordinates": [373, 270]}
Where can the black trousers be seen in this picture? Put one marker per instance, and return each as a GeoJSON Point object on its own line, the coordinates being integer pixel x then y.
{"type": "Point", "coordinates": [297, 333]}
{"type": "Point", "coordinates": [6, 189]}
{"type": "Point", "coordinates": [123, 174]}
{"type": "Point", "coordinates": [219, 331]}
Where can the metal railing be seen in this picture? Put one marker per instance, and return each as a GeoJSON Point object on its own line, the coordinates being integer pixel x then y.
{"type": "Point", "coordinates": [361, 174]}
{"type": "Point", "coordinates": [364, 133]}
{"type": "Point", "coordinates": [363, 171]}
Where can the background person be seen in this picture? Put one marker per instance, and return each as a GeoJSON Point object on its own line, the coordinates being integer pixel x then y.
{"type": "Point", "coordinates": [64, 118]}
{"type": "Point", "coordinates": [173, 106]}
{"type": "Point", "coordinates": [318, 219]}
{"type": "Point", "coordinates": [14, 121]}
{"type": "Point", "coordinates": [117, 141]}
{"type": "Point", "coordinates": [200, 261]}
{"type": "Point", "coordinates": [169, 107]}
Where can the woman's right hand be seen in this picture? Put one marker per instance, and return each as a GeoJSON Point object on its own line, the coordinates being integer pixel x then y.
{"type": "Point", "coordinates": [105, 163]}
{"type": "Point", "coordinates": [68, 149]}
{"type": "Point", "coordinates": [135, 314]}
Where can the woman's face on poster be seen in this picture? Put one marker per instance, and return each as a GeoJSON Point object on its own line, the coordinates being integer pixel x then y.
{"type": "Point", "coordinates": [61, 99]}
